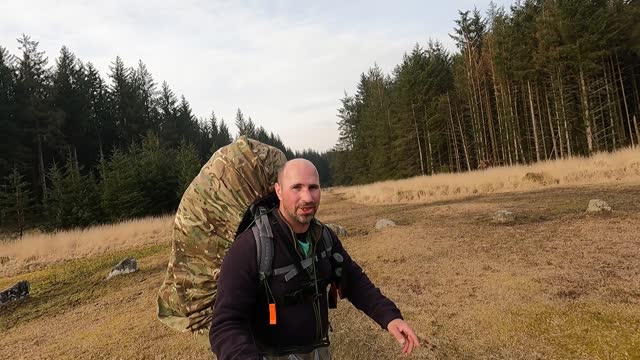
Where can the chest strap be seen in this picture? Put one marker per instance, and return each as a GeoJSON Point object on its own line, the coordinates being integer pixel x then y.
{"type": "Point", "coordinates": [292, 270]}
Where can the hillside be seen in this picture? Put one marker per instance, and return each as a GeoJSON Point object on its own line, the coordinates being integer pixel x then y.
{"type": "Point", "coordinates": [558, 283]}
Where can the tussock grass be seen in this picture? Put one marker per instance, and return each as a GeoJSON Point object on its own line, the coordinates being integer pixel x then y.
{"type": "Point", "coordinates": [621, 167]}
{"type": "Point", "coordinates": [37, 250]}
{"type": "Point", "coordinates": [62, 286]}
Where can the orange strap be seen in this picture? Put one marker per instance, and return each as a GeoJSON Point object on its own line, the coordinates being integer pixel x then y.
{"type": "Point", "coordinates": [272, 314]}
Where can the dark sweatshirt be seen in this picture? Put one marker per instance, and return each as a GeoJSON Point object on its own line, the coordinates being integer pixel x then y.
{"type": "Point", "coordinates": [240, 328]}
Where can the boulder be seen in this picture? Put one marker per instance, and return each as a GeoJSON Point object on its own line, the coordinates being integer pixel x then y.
{"type": "Point", "coordinates": [383, 223]}
{"type": "Point", "coordinates": [338, 229]}
{"type": "Point", "coordinates": [540, 178]}
{"type": "Point", "coordinates": [597, 205]}
{"type": "Point", "coordinates": [503, 217]}
{"type": "Point", "coordinates": [14, 293]}
{"type": "Point", "coordinates": [125, 266]}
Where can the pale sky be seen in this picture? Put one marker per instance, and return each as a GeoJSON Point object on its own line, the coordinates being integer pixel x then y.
{"type": "Point", "coordinates": [284, 63]}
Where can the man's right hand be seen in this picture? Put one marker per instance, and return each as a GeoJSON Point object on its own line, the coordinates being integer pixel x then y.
{"type": "Point", "coordinates": [404, 334]}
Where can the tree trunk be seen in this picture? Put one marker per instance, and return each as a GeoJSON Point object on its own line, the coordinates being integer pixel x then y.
{"type": "Point", "coordinates": [464, 142]}
{"type": "Point", "coordinates": [43, 182]}
{"type": "Point", "coordinates": [513, 108]}
{"type": "Point", "coordinates": [453, 136]}
{"type": "Point", "coordinates": [553, 135]}
{"type": "Point", "coordinates": [430, 153]}
{"type": "Point", "coordinates": [556, 106]}
{"type": "Point", "coordinates": [544, 141]}
{"type": "Point", "coordinates": [626, 107]}
{"type": "Point", "coordinates": [564, 116]}
{"type": "Point", "coordinates": [415, 122]}
{"type": "Point", "coordinates": [609, 106]}
{"type": "Point", "coordinates": [622, 124]}
{"type": "Point", "coordinates": [588, 131]}
{"type": "Point", "coordinates": [534, 123]}
{"type": "Point", "coordinates": [635, 123]}
{"type": "Point", "coordinates": [507, 121]}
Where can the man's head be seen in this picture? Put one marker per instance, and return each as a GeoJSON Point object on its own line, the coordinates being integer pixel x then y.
{"type": "Point", "coordinates": [298, 189]}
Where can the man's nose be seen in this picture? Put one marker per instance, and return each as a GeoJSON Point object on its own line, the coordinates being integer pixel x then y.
{"type": "Point", "coordinates": [305, 195]}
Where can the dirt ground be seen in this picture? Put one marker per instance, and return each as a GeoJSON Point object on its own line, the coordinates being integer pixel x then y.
{"type": "Point", "coordinates": [556, 284]}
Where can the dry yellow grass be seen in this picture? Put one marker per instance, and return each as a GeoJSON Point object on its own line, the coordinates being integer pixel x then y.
{"type": "Point", "coordinates": [603, 168]}
{"type": "Point", "coordinates": [36, 250]}
{"type": "Point", "coordinates": [556, 284]}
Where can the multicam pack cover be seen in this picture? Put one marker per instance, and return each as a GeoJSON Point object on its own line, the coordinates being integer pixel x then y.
{"type": "Point", "coordinates": [206, 222]}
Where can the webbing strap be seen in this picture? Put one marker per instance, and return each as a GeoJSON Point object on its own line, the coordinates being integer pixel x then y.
{"type": "Point", "coordinates": [292, 270]}
{"type": "Point", "coordinates": [264, 243]}
{"type": "Point", "coordinates": [263, 236]}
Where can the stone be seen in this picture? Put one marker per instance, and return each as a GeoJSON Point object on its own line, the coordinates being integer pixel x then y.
{"type": "Point", "coordinates": [383, 223]}
{"type": "Point", "coordinates": [503, 217]}
{"type": "Point", "coordinates": [597, 205]}
{"type": "Point", "coordinates": [338, 229]}
{"type": "Point", "coordinates": [15, 293]}
{"type": "Point", "coordinates": [125, 266]}
{"type": "Point", "coordinates": [540, 178]}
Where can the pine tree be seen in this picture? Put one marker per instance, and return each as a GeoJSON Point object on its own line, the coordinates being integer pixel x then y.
{"type": "Point", "coordinates": [16, 201]}
{"type": "Point", "coordinates": [10, 146]}
{"type": "Point", "coordinates": [40, 124]}
{"type": "Point", "coordinates": [241, 123]}
{"type": "Point", "coordinates": [73, 200]}
{"type": "Point", "coordinates": [224, 137]}
{"type": "Point", "coordinates": [188, 165]}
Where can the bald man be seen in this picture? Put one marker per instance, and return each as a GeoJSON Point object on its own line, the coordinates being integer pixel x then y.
{"type": "Point", "coordinates": [287, 318]}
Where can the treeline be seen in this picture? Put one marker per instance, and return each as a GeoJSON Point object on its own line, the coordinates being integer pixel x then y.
{"type": "Point", "coordinates": [544, 80]}
{"type": "Point", "coordinates": [77, 149]}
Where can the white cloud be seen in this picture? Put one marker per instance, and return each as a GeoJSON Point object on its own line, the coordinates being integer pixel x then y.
{"type": "Point", "coordinates": [287, 73]}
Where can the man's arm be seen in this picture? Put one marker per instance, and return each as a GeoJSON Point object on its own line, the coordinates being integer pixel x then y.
{"type": "Point", "coordinates": [366, 297]}
{"type": "Point", "coordinates": [361, 292]}
{"type": "Point", "coordinates": [230, 333]}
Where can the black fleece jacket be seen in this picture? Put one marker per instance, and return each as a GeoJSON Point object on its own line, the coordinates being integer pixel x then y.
{"type": "Point", "coordinates": [240, 328]}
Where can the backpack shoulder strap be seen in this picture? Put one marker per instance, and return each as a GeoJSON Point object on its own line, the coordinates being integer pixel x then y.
{"type": "Point", "coordinates": [264, 242]}
{"type": "Point", "coordinates": [327, 239]}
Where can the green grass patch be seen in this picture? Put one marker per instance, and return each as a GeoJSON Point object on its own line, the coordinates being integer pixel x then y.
{"type": "Point", "coordinates": [62, 286]}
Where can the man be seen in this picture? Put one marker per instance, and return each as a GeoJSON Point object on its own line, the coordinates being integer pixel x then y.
{"type": "Point", "coordinates": [288, 317]}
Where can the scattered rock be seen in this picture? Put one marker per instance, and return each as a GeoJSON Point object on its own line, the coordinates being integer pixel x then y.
{"type": "Point", "coordinates": [597, 205]}
{"type": "Point", "coordinates": [338, 229]}
{"type": "Point", "coordinates": [484, 164]}
{"type": "Point", "coordinates": [540, 178]}
{"type": "Point", "coordinates": [383, 223]}
{"type": "Point", "coordinates": [14, 293]}
{"type": "Point", "coordinates": [125, 266]}
{"type": "Point", "coordinates": [503, 217]}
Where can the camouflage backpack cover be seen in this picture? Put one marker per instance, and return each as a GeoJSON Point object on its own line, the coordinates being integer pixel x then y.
{"type": "Point", "coordinates": [206, 222]}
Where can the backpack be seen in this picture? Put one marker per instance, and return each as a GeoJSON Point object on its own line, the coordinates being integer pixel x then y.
{"type": "Point", "coordinates": [206, 222]}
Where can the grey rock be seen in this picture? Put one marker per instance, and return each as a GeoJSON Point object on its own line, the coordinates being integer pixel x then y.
{"type": "Point", "coordinates": [125, 266]}
{"type": "Point", "coordinates": [383, 223]}
{"type": "Point", "coordinates": [597, 205]}
{"type": "Point", "coordinates": [14, 293]}
{"type": "Point", "coordinates": [338, 229]}
{"type": "Point", "coordinates": [504, 217]}
{"type": "Point", "coordinates": [540, 178]}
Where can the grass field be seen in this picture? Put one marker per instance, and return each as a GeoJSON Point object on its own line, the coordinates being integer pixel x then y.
{"type": "Point", "coordinates": [558, 283]}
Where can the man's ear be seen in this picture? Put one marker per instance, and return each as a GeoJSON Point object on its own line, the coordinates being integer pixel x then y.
{"type": "Point", "coordinates": [278, 191]}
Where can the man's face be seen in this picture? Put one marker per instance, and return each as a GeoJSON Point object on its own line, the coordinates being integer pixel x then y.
{"type": "Point", "coordinates": [299, 192]}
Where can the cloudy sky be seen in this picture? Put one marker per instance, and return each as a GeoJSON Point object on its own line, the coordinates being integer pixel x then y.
{"type": "Point", "coordinates": [284, 63]}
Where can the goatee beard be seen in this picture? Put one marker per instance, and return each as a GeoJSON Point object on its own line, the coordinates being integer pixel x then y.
{"type": "Point", "coordinates": [302, 219]}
